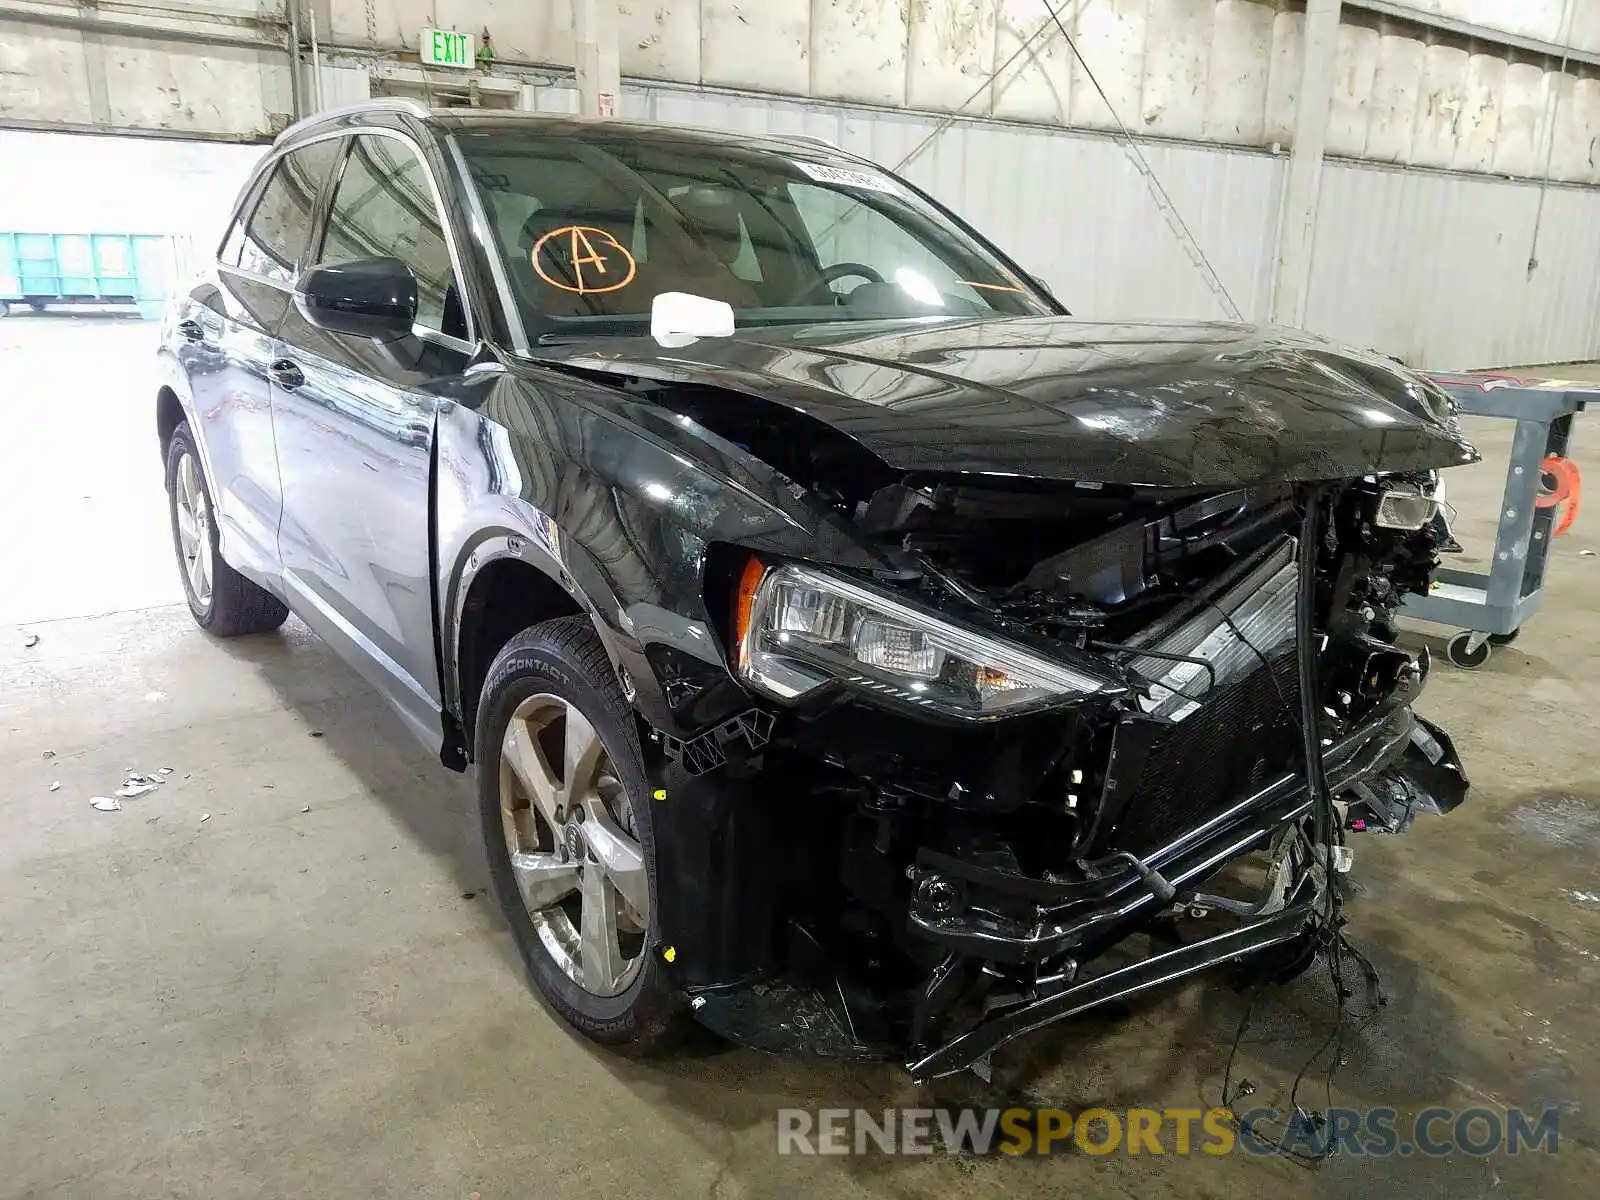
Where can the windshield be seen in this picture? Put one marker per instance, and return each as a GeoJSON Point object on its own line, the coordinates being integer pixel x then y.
{"type": "Point", "coordinates": [594, 225]}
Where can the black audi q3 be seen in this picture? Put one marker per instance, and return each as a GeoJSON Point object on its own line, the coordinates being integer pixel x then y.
{"type": "Point", "coordinates": [855, 650]}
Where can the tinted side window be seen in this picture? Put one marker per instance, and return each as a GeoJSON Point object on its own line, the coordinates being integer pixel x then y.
{"type": "Point", "coordinates": [280, 227]}
{"type": "Point", "coordinates": [384, 206]}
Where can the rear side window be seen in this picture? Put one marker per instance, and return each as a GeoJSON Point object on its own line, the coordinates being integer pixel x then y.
{"type": "Point", "coordinates": [276, 234]}
{"type": "Point", "coordinates": [384, 206]}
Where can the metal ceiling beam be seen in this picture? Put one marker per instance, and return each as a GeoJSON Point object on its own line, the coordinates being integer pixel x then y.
{"type": "Point", "coordinates": [57, 17]}
{"type": "Point", "coordinates": [1480, 33]}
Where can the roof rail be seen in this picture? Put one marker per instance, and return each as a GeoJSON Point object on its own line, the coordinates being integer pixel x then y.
{"type": "Point", "coordinates": [808, 137]}
{"type": "Point", "coordinates": [403, 104]}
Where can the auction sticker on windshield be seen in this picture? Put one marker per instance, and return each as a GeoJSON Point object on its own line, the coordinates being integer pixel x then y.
{"type": "Point", "coordinates": [846, 177]}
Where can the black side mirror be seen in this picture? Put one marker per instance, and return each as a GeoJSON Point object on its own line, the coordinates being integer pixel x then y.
{"type": "Point", "coordinates": [370, 298]}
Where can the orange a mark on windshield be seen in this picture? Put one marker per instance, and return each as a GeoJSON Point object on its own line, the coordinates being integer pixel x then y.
{"type": "Point", "coordinates": [595, 260]}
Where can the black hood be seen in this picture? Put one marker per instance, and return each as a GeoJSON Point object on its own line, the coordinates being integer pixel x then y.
{"type": "Point", "coordinates": [1164, 405]}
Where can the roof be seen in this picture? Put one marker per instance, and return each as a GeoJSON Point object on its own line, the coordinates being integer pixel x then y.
{"type": "Point", "coordinates": [557, 124]}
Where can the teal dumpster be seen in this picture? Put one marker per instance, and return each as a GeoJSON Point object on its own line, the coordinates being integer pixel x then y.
{"type": "Point", "coordinates": [43, 269]}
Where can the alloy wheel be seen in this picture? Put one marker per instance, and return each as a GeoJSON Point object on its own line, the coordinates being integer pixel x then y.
{"type": "Point", "coordinates": [194, 529]}
{"type": "Point", "coordinates": [575, 853]}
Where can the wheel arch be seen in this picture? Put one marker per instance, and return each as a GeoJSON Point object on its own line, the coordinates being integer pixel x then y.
{"type": "Point", "coordinates": [502, 591]}
{"type": "Point", "coordinates": [169, 415]}
{"type": "Point", "coordinates": [175, 405]}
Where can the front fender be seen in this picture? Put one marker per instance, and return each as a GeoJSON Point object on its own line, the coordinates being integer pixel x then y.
{"type": "Point", "coordinates": [616, 502]}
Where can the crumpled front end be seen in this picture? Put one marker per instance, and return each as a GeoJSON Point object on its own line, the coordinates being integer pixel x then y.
{"type": "Point", "coordinates": [925, 844]}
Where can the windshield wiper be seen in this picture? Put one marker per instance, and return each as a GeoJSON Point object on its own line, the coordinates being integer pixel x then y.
{"type": "Point", "coordinates": [565, 337]}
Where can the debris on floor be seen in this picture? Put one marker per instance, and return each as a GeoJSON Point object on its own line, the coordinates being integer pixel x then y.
{"type": "Point", "coordinates": [56, 786]}
{"type": "Point", "coordinates": [204, 817]}
{"type": "Point", "coordinates": [1585, 553]}
{"type": "Point", "coordinates": [31, 640]}
{"type": "Point", "coordinates": [316, 733]}
{"type": "Point", "coordinates": [49, 754]}
{"type": "Point", "coordinates": [306, 809]}
{"type": "Point", "coordinates": [134, 784]}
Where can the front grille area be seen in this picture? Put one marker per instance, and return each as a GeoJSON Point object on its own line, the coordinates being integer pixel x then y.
{"type": "Point", "coordinates": [1244, 736]}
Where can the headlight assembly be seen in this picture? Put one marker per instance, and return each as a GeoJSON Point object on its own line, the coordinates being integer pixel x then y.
{"type": "Point", "coordinates": [798, 628]}
{"type": "Point", "coordinates": [1404, 508]}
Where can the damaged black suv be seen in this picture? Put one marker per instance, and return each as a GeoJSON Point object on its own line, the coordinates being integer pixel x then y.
{"type": "Point", "coordinates": [856, 652]}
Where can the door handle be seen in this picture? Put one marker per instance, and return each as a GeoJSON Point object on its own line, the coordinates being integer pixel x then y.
{"type": "Point", "coordinates": [191, 329]}
{"type": "Point", "coordinates": [286, 373]}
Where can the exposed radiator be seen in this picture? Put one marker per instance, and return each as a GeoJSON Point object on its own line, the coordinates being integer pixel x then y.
{"type": "Point", "coordinates": [1260, 606]}
{"type": "Point", "coordinates": [1200, 747]}
{"type": "Point", "coordinates": [1240, 740]}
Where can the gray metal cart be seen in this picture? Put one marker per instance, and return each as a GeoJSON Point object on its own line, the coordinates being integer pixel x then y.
{"type": "Point", "coordinates": [1490, 609]}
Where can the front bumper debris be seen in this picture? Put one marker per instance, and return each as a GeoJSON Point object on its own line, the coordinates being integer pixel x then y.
{"type": "Point", "coordinates": [1251, 935]}
{"type": "Point", "coordinates": [966, 916]}
{"type": "Point", "coordinates": [1396, 755]}
{"type": "Point", "coordinates": [1056, 929]}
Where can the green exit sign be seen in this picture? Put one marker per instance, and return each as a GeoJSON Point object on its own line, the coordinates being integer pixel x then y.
{"type": "Point", "coordinates": [446, 48]}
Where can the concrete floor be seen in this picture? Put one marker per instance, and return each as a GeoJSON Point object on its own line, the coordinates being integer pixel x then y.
{"type": "Point", "coordinates": [276, 1002]}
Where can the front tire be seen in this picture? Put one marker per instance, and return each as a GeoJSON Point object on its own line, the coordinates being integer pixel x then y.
{"type": "Point", "coordinates": [222, 601]}
{"type": "Point", "coordinates": [566, 823]}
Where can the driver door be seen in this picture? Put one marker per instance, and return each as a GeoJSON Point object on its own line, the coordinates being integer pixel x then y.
{"type": "Point", "coordinates": [355, 426]}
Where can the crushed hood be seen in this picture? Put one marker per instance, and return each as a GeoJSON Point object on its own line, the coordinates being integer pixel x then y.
{"type": "Point", "coordinates": [1164, 405]}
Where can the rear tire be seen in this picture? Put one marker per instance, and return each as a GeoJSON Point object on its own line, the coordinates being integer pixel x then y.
{"type": "Point", "coordinates": [590, 814]}
{"type": "Point", "coordinates": [223, 602]}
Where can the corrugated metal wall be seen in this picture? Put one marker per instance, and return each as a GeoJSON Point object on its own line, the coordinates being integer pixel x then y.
{"type": "Point", "coordinates": [1434, 268]}
{"type": "Point", "coordinates": [1429, 266]}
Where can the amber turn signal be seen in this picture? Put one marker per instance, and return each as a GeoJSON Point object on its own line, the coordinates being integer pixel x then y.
{"type": "Point", "coordinates": [749, 584]}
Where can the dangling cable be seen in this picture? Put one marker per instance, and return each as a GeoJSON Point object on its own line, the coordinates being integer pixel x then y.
{"type": "Point", "coordinates": [1324, 827]}
{"type": "Point", "coordinates": [1571, 9]}
{"type": "Point", "coordinates": [1158, 193]}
